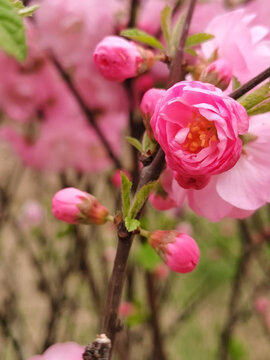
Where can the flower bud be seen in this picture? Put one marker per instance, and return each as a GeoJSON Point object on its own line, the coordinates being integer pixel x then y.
{"type": "Point", "coordinates": [78, 207]}
{"type": "Point", "coordinates": [218, 73]}
{"type": "Point", "coordinates": [147, 107]}
{"type": "Point", "coordinates": [179, 251]}
{"type": "Point", "coordinates": [118, 59]}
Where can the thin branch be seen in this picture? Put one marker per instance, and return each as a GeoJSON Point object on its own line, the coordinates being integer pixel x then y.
{"type": "Point", "coordinates": [88, 113]}
{"type": "Point", "coordinates": [158, 339]}
{"type": "Point", "coordinates": [250, 84]}
{"type": "Point", "coordinates": [232, 314]}
{"type": "Point", "coordinates": [151, 172]}
{"type": "Point", "coordinates": [176, 72]}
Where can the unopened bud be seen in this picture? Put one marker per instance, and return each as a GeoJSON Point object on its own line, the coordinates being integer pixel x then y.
{"type": "Point", "coordinates": [147, 107]}
{"type": "Point", "coordinates": [179, 251]}
{"type": "Point", "coordinates": [218, 73]}
{"type": "Point", "coordinates": [118, 59]}
{"type": "Point", "coordinates": [78, 207]}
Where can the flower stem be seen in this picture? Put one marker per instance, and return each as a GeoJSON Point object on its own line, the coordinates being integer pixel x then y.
{"type": "Point", "coordinates": [251, 84]}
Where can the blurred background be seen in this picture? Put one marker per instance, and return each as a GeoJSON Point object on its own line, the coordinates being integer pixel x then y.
{"type": "Point", "coordinates": [54, 276]}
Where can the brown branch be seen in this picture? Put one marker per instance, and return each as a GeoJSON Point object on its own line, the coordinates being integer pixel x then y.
{"type": "Point", "coordinates": [232, 314]}
{"type": "Point", "coordinates": [250, 84]}
{"type": "Point", "coordinates": [151, 172]}
{"type": "Point", "coordinates": [158, 346]}
{"type": "Point", "coordinates": [176, 72]}
{"type": "Point", "coordinates": [87, 112]}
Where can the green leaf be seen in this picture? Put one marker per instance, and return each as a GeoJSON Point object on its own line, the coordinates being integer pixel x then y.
{"type": "Point", "coordinates": [197, 39]}
{"type": "Point", "coordinates": [174, 39]}
{"type": "Point", "coordinates": [191, 52]}
{"type": "Point", "coordinates": [140, 198]}
{"type": "Point", "coordinates": [12, 32]}
{"type": "Point", "coordinates": [147, 257]}
{"type": "Point", "coordinates": [143, 37]}
{"type": "Point", "coordinates": [134, 142]}
{"type": "Point", "coordinates": [236, 83]}
{"type": "Point", "coordinates": [126, 185]}
{"type": "Point", "coordinates": [256, 97]}
{"type": "Point", "coordinates": [166, 16]}
{"type": "Point", "coordinates": [28, 10]}
{"type": "Point", "coordinates": [131, 224]}
{"type": "Point", "coordinates": [237, 350]}
{"type": "Point", "coordinates": [261, 108]}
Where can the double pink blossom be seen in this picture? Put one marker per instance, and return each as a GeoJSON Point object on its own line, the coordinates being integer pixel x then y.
{"type": "Point", "coordinates": [198, 128]}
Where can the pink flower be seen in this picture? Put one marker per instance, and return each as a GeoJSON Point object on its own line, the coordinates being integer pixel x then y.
{"type": "Point", "coordinates": [78, 207]}
{"type": "Point", "coordinates": [179, 251]}
{"type": "Point", "coordinates": [126, 309]}
{"type": "Point", "coordinates": [218, 73]}
{"type": "Point", "coordinates": [261, 304]}
{"type": "Point", "coordinates": [118, 59]}
{"type": "Point", "coordinates": [161, 271]}
{"type": "Point", "coordinates": [67, 351]}
{"type": "Point", "coordinates": [148, 105]}
{"type": "Point", "coordinates": [241, 190]}
{"type": "Point", "coordinates": [31, 214]}
{"type": "Point", "coordinates": [238, 42]}
{"type": "Point", "coordinates": [198, 128]}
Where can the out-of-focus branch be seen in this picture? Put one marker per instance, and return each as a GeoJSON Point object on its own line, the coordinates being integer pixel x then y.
{"type": "Point", "coordinates": [87, 112]}
{"type": "Point", "coordinates": [158, 339]}
{"type": "Point", "coordinates": [232, 313]}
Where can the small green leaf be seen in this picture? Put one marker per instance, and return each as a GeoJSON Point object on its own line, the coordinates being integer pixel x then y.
{"type": "Point", "coordinates": [191, 52]}
{"type": "Point", "coordinates": [236, 83]}
{"type": "Point", "coordinates": [28, 10]}
{"type": "Point", "coordinates": [131, 224]}
{"type": "Point", "coordinates": [197, 39]}
{"type": "Point", "coordinates": [166, 16]}
{"type": "Point", "coordinates": [147, 257]}
{"type": "Point", "coordinates": [261, 108]}
{"type": "Point", "coordinates": [126, 185]}
{"type": "Point", "coordinates": [134, 142]}
{"type": "Point", "coordinates": [237, 350]}
{"type": "Point", "coordinates": [140, 198]}
{"type": "Point", "coordinates": [12, 32]}
{"type": "Point", "coordinates": [143, 37]}
{"type": "Point", "coordinates": [256, 97]}
{"type": "Point", "coordinates": [174, 39]}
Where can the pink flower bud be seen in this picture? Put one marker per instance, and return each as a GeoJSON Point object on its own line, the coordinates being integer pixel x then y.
{"type": "Point", "coordinates": [78, 207]}
{"type": "Point", "coordinates": [147, 107]}
{"type": "Point", "coordinates": [218, 73]}
{"type": "Point", "coordinates": [179, 251]}
{"type": "Point", "coordinates": [118, 59]}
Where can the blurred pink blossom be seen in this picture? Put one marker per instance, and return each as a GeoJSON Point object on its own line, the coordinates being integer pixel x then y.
{"type": "Point", "coordinates": [67, 351]}
{"type": "Point", "coordinates": [239, 42]}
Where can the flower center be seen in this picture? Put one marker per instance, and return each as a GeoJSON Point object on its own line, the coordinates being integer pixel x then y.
{"type": "Point", "coordinates": [201, 133]}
